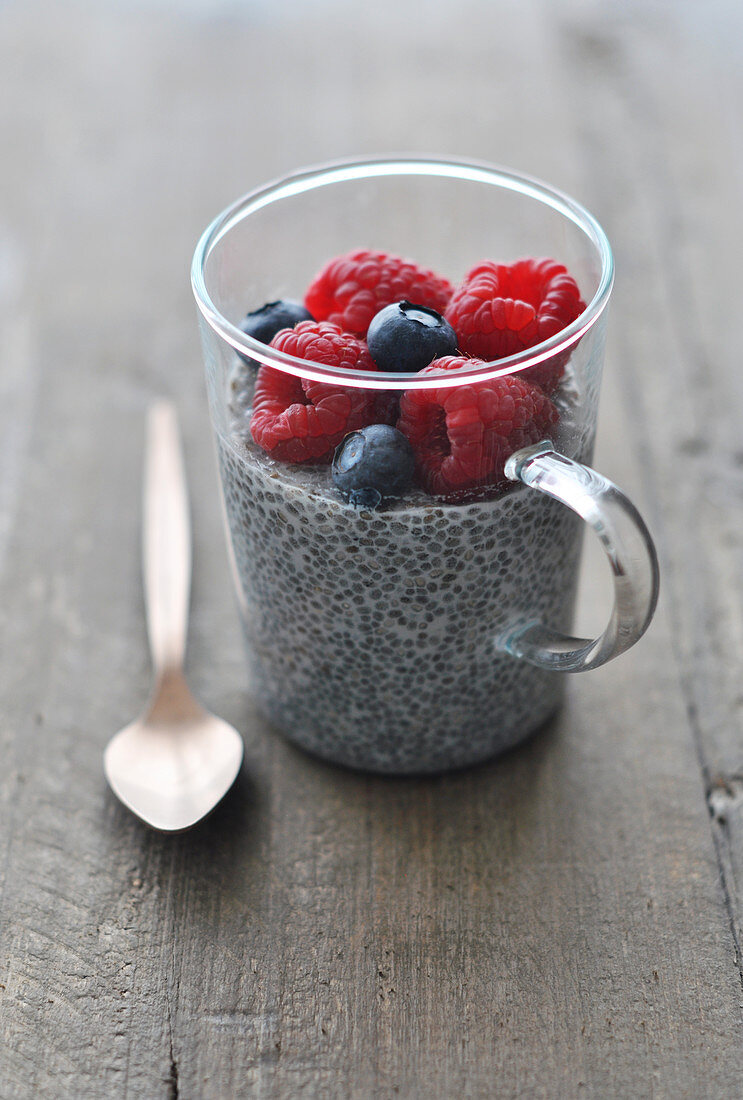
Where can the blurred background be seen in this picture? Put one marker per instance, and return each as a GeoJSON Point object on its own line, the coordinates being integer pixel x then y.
{"type": "Point", "coordinates": [127, 125]}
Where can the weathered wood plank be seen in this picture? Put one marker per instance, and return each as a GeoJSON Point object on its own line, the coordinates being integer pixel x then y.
{"type": "Point", "coordinates": [552, 924]}
{"type": "Point", "coordinates": [676, 175]}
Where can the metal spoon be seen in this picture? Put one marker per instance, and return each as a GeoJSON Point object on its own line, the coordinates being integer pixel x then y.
{"type": "Point", "coordinates": [176, 761]}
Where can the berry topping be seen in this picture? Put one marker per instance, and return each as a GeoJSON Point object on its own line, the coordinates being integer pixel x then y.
{"type": "Point", "coordinates": [263, 324]}
{"type": "Point", "coordinates": [501, 309]}
{"type": "Point", "coordinates": [463, 435]}
{"type": "Point", "coordinates": [298, 420]}
{"type": "Point", "coordinates": [387, 404]}
{"type": "Point", "coordinates": [350, 289]}
{"type": "Point", "coordinates": [372, 465]}
{"type": "Point", "coordinates": [407, 337]}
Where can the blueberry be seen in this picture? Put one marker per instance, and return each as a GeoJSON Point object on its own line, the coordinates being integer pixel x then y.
{"type": "Point", "coordinates": [365, 498]}
{"type": "Point", "coordinates": [372, 465]}
{"type": "Point", "coordinates": [406, 337]}
{"type": "Point", "coordinates": [263, 324]}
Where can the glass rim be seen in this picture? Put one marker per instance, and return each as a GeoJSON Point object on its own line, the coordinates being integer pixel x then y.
{"type": "Point", "coordinates": [341, 171]}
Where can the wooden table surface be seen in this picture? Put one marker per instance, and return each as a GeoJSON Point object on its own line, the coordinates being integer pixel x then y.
{"type": "Point", "coordinates": [563, 922]}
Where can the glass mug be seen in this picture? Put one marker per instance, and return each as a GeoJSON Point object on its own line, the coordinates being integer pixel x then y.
{"type": "Point", "coordinates": [433, 632]}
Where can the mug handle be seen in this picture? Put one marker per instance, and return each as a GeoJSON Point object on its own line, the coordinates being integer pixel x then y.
{"type": "Point", "coordinates": [628, 547]}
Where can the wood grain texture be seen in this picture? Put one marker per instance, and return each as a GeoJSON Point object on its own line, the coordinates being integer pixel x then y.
{"type": "Point", "coordinates": [563, 922]}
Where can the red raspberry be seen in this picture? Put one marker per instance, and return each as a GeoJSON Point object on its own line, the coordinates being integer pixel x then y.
{"type": "Point", "coordinates": [298, 420]}
{"type": "Point", "coordinates": [463, 435]}
{"type": "Point", "coordinates": [501, 309]}
{"type": "Point", "coordinates": [351, 289]}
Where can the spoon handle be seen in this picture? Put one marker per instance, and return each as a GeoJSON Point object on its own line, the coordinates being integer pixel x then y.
{"type": "Point", "coordinates": [166, 541]}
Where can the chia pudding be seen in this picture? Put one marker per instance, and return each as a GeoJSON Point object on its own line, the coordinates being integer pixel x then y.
{"type": "Point", "coordinates": [372, 634]}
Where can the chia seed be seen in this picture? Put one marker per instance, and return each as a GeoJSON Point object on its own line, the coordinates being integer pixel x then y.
{"type": "Point", "coordinates": [381, 681]}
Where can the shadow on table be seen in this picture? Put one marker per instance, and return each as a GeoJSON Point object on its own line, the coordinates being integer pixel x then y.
{"type": "Point", "coordinates": [292, 823]}
{"type": "Point", "coordinates": [224, 846]}
{"type": "Point", "coordinates": [423, 813]}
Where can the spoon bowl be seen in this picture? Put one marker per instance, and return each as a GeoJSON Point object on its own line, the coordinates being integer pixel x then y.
{"type": "Point", "coordinates": [172, 765]}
